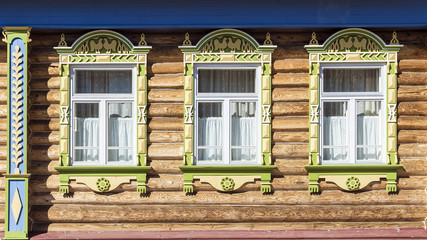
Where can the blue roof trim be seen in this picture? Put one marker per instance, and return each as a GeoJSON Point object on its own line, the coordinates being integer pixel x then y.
{"type": "Point", "coordinates": [185, 14]}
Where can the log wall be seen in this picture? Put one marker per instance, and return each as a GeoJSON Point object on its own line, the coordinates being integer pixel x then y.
{"type": "Point", "coordinates": [166, 207]}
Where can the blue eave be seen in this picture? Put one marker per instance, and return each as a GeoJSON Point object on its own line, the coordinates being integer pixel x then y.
{"type": "Point", "coordinates": [185, 14]}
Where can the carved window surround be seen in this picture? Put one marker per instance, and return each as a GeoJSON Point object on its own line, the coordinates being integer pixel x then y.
{"type": "Point", "coordinates": [353, 46]}
{"type": "Point", "coordinates": [103, 47]}
{"type": "Point", "coordinates": [227, 46]}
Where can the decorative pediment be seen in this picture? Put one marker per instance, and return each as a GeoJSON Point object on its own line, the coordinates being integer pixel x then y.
{"type": "Point", "coordinates": [227, 41]}
{"type": "Point", "coordinates": [353, 40]}
{"type": "Point", "coordinates": [102, 42]}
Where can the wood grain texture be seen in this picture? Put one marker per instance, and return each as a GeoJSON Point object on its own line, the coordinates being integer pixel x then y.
{"type": "Point", "coordinates": [290, 150]}
{"type": "Point", "coordinates": [290, 109]}
{"type": "Point", "coordinates": [288, 136]}
{"type": "Point", "coordinates": [290, 123]}
{"type": "Point", "coordinates": [412, 122]}
{"type": "Point", "coordinates": [44, 111]}
{"type": "Point", "coordinates": [166, 81]}
{"type": "Point", "coordinates": [166, 68]}
{"type": "Point", "coordinates": [44, 153]}
{"type": "Point", "coordinates": [3, 82]}
{"type": "Point", "coordinates": [44, 70]}
{"type": "Point", "coordinates": [375, 197]}
{"type": "Point", "coordinates": [44, 97]}
{"type": "Point", "coordinates": [290, 80]}
{"type": "Point", "coordinates": [412, 108]}
{"type": "Point", "coordinates": [291, 65]}
{"type": "Point", "coordinates": [51, 83]}
{"type": "Point", "coordinates": [412, 78]}
{"type": "Point", "coordinates": [290, 95]}
{"type": "Point", "coordinates": [412, 136]}
{"type": "Point", "coordinates": [112, 214]}
{"type": "Point", "coordinates": [166, 124]}
{"type": "Point", "coordinates": [166, 137]}
{"type": "Point", "coordinates": [44, 125]}
{"type": "Point", "coordinates": [165, 151]}
{"type": "Point", "coordinates": [52, 227]}
{"type": "Point", "coordinates": [44, 138]}
{"type": "Point", "coordinates": [162, 96]}
{"type": "Point", "coordinates": [413, 65]}
{"type": "Point", "coordinates": [166, 110]}
{"type": "Point", "coordinates": [412, 94]}
{"type": "Point", "coordinates": [412, 150]}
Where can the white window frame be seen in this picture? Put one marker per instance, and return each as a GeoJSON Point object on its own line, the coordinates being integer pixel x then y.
{"type": "Point", "coordinates": [103, 100]}
{"type": "Point", "coordinates": [351, 98]}
{"type": "Point", "coordinates": [226, 98]}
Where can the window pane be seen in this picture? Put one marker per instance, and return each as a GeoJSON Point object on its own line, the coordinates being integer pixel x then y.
{"type": "Point", "coordinates": [120, 132]}
{"type": "Point", "coordinates": [86, 129]}
{"type": "Point", "coordinates": [103, 81]}
{"type": "Point", "coordinates": [209, 131]}
{"type": "Point", "coordinates": [226, 80]}
{"type": "Point", "coordinates": [243, 130]}
{"type": "Point", "coordinates": [335, 131]}
{"type": "Point", "coordinates": [368, 130]}
{"type": "Point", "coordinates": [350, 80]}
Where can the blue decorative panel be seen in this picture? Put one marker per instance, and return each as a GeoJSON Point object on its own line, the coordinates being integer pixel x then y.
{"type": "Point", "coordinates": [17, 106]}
{"type": "Point", "coordinates": [17, 203]}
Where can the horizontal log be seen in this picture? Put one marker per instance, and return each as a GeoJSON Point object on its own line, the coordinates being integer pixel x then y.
{"type": "Point", "coordinates": [164, 53]}
{"type": "Point", "coordinates": [412, 122]}
{"type": "Point", "coordinates": [3, 166]}
{"type": "Point", "coordinates": [166, 124]}
{"type": "Point", "coordinates": [300, 137]}
{"type": "Point", "coordinates": [44, 97]}
{"type": "Point", "coordinates": [290, 95]}
{"type": "Point", "coordinates": [290, 109]}
{"type": "Point", "coordinates": [3, 152]}
{"type": "Point", "coordinates": [413, 65]}
{"type": "Point", "coordinates": [3, 124]}
{"type": "Point", "coordinates": [3, 111]}
{"type": "Point", "coordinates": [162, 96]}
{"type": "Point", "coordinates": [270, 226]}
{"type": "Point", "coordinates": [44, 138]}
{"type": "Point", "coordinates": [290, 123]}
{"type": "Point", "coordinates": [375, 197]}
{"type": "Point", "coordinates": [43, 167]}
{"type": "Point", "coordinates": [168, 182]}
{"type": "Point", "coordinates": [44, 70]}
{"type": "Point", "coordinates": [413, 50]}
{"type": "Point", "coordinates": [44, 125]}
{"type": "Point", "coordinates": [412, 136]}
{"type": "Point", "coordinates": [3, 82]}
{"type": "Point", "coordinates": [3, 137]}
{"type": "Point", "coordinates": [412, 94]}
{"type": "Point", "coordinates": [290, 80]}
{"type": "Point", "coordinates": [3, 54]}
{"type": "Point", "coordinates": [165, 167]}
{"type": "Point", "coordinates": [166, 110]}
{"type": "Point", "coordinates": [44, 83]}
{"type": "Point", "coordinates": [165, 151]}
{"type": "Point", "coordinates": [44, 111]}
{"type": "Point", "coordinates": [289, 167]}
{"type": "Point", "coordinates": [290, 150]}
{"type": "Point", "coordinates": [166, 68]}
{"type": "Point", "coordinates": [412, 108]}
{"type": "Point", "coordinates": [166, 137]}
{"type": "Point", "coordinates": [113, 214]}
{"type": "Point", "coordinates": [3, 69]}
{"type": "Point", "coordinates": [412, 150]}
{"type": "Point", "coordinates": [43, 55]}
{"type": "Point", "coordinates": [3, 97]}
{"type": "Point", "coordinates": [166, 81]}
{"type": "Point", "coordinates": [286, 51]}
{"type": "Point", "coordinates": [413, 166]}
{"type": "Point", "coordinates": [44, 153]}
{"type": "Point", "coordinates": [412, 78]}
{"type": "Point", "coordinates": [291, 65]}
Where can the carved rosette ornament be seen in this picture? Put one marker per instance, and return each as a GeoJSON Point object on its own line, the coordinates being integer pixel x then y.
{"type": "Point", "coordinates": [103, 184]}
{"type": "Point", "coordinates": [227, 184]}
{"type": "Point", "coordinates": [352, 183]}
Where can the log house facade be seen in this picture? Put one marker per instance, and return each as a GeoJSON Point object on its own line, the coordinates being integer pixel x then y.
{"type": "Point", "coordinates": [165, 192]}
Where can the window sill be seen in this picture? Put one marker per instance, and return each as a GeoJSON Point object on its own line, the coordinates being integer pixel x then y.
{"type": "Point", "coordinates": [227, 178]}
{"type": "Point", "coordinates": [102, 178]}
{"type": "Point", "coordinates": [352, 177]}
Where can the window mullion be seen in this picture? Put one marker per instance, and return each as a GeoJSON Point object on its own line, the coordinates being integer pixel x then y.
{"type": "Point", "coordinates": [226, 131]}
{"type": "Point", "coordinates": [352, 127]}
{"type": "Point", "coordinates": [103, 134]}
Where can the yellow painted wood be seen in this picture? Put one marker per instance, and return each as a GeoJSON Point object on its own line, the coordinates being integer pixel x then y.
{"type": "Point", "coordinates": [313, 130]}
{"type": "Point", "coordinates": [392, 130]}
{"type": "Point", "coordinates": [392, 96]}
{"type": "Point", "coordinates": [64, 131]}
{"type": "Point", "coordinates": [313, 97]}
{"type": "Point", "coordinates": [188, 130]}
{"type": "Point", "coordinates": [188, 82]}
{"type": "Point", "coordinates": [141, 83]}
{"type": "Point", "coordinates": [215, 181]}
{"type": "Point", "coordinates": [392, 144]}
{"type": "Point", "coordinates": [64, 145]}
{"type": "Point", "coordinates": [340, 180]}
{"type": "Point", "coordinates": [101, 58]}
{"type": "Point", "coordinates": [314, 145]}
{"type": "Point", "coordinates": [64, 83]}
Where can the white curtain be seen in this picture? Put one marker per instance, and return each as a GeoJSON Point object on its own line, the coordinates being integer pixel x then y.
{"type": "Point", "coordinates": [335, 135]}
{"type": "Point", "coordinates": [210, 134]}
{"type": "Point", "coordinates": [120, 134]}
{"type": "Point", "coordinates": [87, 136]}
{"type": "Point", "coordinates": [243, 134]}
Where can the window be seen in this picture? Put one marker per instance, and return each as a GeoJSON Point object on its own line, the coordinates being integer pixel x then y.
{"type": "Point", "coordinates": [352, 108]}
{"type": "Point", "coordinates": [352, 102]}
{"type": "Point", "coordinates": [227, 110]}
{"type": "Point", "coordinates": [227, 104]}
{"type": "Point", "coordinates": [103, 117]}
{"type": "Point", "coordinates": [103, 104]}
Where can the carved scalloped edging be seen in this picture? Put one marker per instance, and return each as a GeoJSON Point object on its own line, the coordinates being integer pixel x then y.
{"type": "Point", "coordinates": [17, 109]}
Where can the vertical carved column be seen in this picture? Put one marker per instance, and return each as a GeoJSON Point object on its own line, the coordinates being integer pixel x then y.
{"type": "Point", "coordinates": [16, 212]}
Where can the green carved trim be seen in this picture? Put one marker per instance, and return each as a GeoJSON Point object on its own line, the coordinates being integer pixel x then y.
{"type": "Point", "coordinates": [225, 41]}
{"type": "Point", "coordinates": [138, 173]}
{"type": "Point", "coordinates": [353, 46]}
{"type": "Point", "coordinates": [102, 42]}
{"type": "Point", "coordinates": [353, 40]}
